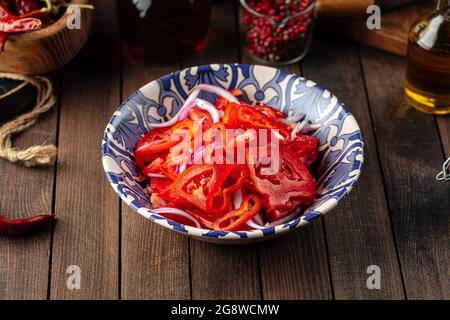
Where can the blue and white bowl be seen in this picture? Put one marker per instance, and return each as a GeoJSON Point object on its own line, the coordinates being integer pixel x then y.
{"type": "Point", "coordinates": [340, 141]}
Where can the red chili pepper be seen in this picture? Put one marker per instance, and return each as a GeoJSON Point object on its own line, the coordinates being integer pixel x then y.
{"type": "Point", "coordinates": [22, 227]}
{"type": "Point", "coordinates": [249, 208]}
{"type": "Point", "coordinates": [9, 23]}
{"type": "Point", "coordinates": [228, 181]}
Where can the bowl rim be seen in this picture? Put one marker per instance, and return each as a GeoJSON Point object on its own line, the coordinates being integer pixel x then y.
{"type": "Point", "coordinates": [301, 220]}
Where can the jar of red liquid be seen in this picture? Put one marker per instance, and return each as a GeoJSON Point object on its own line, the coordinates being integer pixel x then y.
{"type": "Point", "coordinates": [278, 31]}
{"type": "Point", "coordinates": [162, 29]}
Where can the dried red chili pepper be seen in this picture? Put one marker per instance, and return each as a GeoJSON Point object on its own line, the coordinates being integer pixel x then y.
{"type": "Point", "coordinates": [9, 23]}
{"type": "Point", "coordinates": [22, 227]}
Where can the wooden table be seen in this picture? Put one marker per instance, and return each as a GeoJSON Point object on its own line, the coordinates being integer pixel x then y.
{"type": "Point", "coordinates": [397, 217]}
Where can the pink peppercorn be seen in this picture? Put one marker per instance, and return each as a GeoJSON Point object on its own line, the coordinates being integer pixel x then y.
{"type": "Point", "coordinates": [274, 29]}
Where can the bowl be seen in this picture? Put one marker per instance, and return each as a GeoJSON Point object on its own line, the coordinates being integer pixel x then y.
{"type": "Point", "coordinates": [340, 141]}
{"type": "Point", "coordinates": [47, 49]}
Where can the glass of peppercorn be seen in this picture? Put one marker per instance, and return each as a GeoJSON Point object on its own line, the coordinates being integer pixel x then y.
{"type": "Point", "coordinates": [278, 31]}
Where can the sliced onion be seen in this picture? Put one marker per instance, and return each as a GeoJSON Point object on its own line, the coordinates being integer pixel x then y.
{"type": "Point", "coordinates": [182, 168]}
{"type": "Point", "coordinates": [218, 91]}
{"type": "Point", "coordinates": [155, 175]}
{"type": "Point", "coordinates": [188, 104]}
{"type": "Point", "coordinates": [258, 219]}
{"type": "Point", "coordinates": [286, 219]}
{"type": "Point", "coordinates": [252, 224]}
{"type": "Point", "coordinates": [177, 212]}
{"type": "Point", "coordinates": [293, 119]}
{"type": "Point", "coordinates": [207, 106]}
{"type": "Point", "coordinates": [299, 127]}
{"type": "Point", "coordinates": [237, 199]}
{"type": "Point", "coordinates": [278, 135]}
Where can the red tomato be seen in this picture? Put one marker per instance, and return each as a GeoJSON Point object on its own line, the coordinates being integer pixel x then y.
{"type": "Point", "coordinates": [194, 184]}
{"type": "Point", "coordinates": [287, 190]}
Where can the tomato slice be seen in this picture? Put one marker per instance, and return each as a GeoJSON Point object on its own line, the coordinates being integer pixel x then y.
{"type": "Point", "coordinates": [230, 115]}
{"type": "Point", "coordinates": [305, 147]}
{"type": "Point", "coordinates": [251, 118]}
{"type": "Point", "coordinates": [232, 178]}
{"type": "Point", "coordinates": [270, 112]}
{"type": "Point", "coordinates": [290, 188]}
{"type": "Point", "coordinates": [194, 184]}
{"type": "Point", "coordinates": [199, 115]}
{"type": "Point", "coordinates": [152, 144]}
{"type": "Point", "coordinates": [235, 219]}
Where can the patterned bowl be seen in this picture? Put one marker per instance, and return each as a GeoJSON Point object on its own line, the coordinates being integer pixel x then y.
{"type": "Point", "coordinates": [340, 141]}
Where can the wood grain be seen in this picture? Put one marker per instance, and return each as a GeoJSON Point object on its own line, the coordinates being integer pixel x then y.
{"type": "Point", "coordinates": [25, 192]}
{"type": "Point", "coordinates": [87, 234]}
{"type": "Point", "coordinates": [393, 35]}
{"type": "Point", "coordinates": [362, 218]}
{"type": "Point", "coordinates": [222, 272]}
{"type": "Point", "coordinates": [444, 129]}
{"type": "Point", "coordinates": [410, 154]}
{"type": "Point", "coordinates": [155, 260]}
{"type": "Point", "coordinates": [48, 49]}
{"type": "Point", "coordinates": [283, 273]}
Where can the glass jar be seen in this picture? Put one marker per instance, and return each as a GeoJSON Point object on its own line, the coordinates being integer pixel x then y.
{"type": "Point", "coordinates": [278, 31]}
{"type": "Point", "coordinates": [427, 84]}
{"type": "Point", "coordinates": [163, 30]}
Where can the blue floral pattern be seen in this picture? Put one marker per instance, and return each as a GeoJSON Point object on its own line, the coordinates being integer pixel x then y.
{"type": "Point", "coordinates": [340, 140]}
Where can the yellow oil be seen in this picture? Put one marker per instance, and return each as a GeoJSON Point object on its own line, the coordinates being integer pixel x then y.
{"type": "Point", "coordinates": [427, 84]}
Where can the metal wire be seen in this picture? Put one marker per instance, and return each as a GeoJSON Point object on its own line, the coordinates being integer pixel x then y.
{"type": "Point", "coordinates": [444, 175]}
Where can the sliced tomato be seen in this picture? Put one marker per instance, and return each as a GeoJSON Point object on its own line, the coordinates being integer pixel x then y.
{"type": "Point", "coordinates": [194, 184]}
{"type": "Point", "coordinates": [230, 116]}
{"type": "Point", "coordinates": [290, 188]}
{"type": "Point", "coordinates": [199, 115]}
{"type": "Point", "coordinates": [152, 145]}
{"type": "Point", "coordinates": [304, 147]}
{"type": "Point", "coordinates": [235, 219]}
{"type": "Point", "coordinates": [270, 112]}
{"type": "Point", "coordinates": [232, 178]}
{"type": "Point", "coordinates": [251, 118]}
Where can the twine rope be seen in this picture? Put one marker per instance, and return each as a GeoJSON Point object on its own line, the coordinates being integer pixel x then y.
{"type": "Point", "coordinates": [40, 155]}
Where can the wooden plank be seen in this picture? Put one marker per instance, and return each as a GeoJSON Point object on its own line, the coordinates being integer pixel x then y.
{"type": "Point", "coordinates": [87, 233]}
{"type": "Point", "coordinates": [155, 260]}
{"type": "Point", "coordinates": [395, 25]}
{"type": "Point", "coordinates": [25, 192]}
{"type": "Point", "coordinates": [283, 275]}
{"type": "Point", "coordinates": [222, 272]}
{"type": "Point", "coordinates": [364, 220]}
{"type": "Point", "coordinates": [410, 153]}
{"type": "Point", "coordinates": [444, 129]}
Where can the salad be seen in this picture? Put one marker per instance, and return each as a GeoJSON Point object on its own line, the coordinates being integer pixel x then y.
{"type": "Point", "coordinates": [229, 166]}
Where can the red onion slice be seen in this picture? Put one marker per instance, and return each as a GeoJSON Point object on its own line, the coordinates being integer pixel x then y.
{"type": "Point", "coordinates": [207, 106]}
{"type": "Point", "coordinates": [218, 91]}
{"type": "Point", "coordinates": [155, 175]}
{"type": "Point", "coordinates": [182, 113]}
{"type": "Point", "coordinates": [177, 212]}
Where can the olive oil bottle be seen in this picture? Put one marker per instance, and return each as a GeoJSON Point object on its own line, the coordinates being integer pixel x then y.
{"type": "Point", "coordinates": [427, 85]}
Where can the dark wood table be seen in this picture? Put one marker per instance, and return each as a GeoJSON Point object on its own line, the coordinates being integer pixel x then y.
{"type": "Point", "coordinates": [396, 218]}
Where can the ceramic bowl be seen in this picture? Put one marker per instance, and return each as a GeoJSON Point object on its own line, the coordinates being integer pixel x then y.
{"type": "Point", "coordinates": [340, 141]}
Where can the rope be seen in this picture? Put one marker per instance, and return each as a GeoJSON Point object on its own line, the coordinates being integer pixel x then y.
{"type": "Point", "coordinates": [42, 155]}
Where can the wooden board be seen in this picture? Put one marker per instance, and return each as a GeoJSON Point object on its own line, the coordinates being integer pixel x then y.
{"type": "Point", "coordinates": [364, 218]}
{"type": "Point", "coordinates": [24, 192]}
{"type": "Point", "coordinates": [393, 35]}
{"type": "Point", "coordinates": [15, 98]}
{"type": "Point", "coordinates": [222, 272]}
{"type": "Point", "coordinates": [87, 232]}
{"type": "Point", "coordinates": [155, 260]}
{"type": "Point", "coordinates": [410, 155]}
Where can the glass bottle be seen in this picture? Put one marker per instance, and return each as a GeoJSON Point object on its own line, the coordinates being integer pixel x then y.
{"type": "Point", "coordinates": [163, 30]}
{"type": "Point", "coordinates": [427, 85]}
